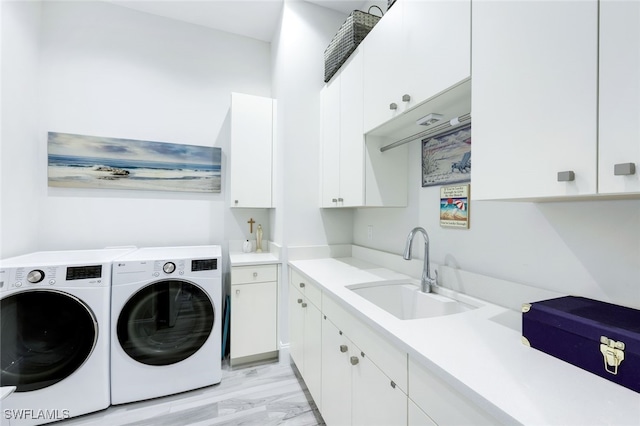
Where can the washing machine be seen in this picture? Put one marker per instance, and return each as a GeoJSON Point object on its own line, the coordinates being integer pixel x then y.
{"type": "Point", "coordinates": [166, 322]}
{"type": "Point", "coordinates": [55, 322]}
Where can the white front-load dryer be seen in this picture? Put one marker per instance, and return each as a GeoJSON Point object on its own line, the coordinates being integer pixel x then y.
{"type": "Point", "coordinates": [55, 321]}
{"type": "Point", "coordinates": [166, 322]}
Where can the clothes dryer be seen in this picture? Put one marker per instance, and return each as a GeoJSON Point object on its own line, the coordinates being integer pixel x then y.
{"type": "Point", "coordinates": [166, 322]}
{"type": "Point", "coordinates": [55, 321]}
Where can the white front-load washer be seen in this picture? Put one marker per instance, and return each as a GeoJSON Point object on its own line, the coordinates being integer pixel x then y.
{"type": "Point", "coordinates": [55, 321]}
{"type": "Point", "coordinates": [166, 322]}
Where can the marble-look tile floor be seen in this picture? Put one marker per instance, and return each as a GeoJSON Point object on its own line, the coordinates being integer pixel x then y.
{"type": "Point", "coordinates": [266, 394]}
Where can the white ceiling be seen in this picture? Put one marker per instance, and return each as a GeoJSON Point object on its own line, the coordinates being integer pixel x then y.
{"type": "Point", "coordinates": [251, 18]}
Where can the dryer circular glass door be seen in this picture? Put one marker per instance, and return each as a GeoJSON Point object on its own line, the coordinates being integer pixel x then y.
{"type": "Point", "coordinates": [46, 336]}
{"type": "Point", "coordinates": [165, 322]}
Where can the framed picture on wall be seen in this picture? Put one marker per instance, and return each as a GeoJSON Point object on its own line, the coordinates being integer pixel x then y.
{"type": "Point", "coordinates": [454, 206]}
{"type": "Point", "coordinates": [446, 158]}
{"type": "Point", "coordinates": [80, 161]}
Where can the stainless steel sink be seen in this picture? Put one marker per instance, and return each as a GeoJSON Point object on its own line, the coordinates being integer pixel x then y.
{"type": "Point", "coordinates": [405, 301]}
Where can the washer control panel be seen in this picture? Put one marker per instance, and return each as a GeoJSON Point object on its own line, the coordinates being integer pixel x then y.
{"type": "Point", "coordinates": [47, 276]}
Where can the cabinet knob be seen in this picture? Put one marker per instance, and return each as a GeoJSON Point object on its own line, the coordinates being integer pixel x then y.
{"type": "Point", "coordinates": [393, 106]}
{"type": "Point", "coordinates": [354, 360]}
{"type": "Point", "coordinates": [343, 348]}
{"type": "Point", "coordinates": [393, 384]}
{"type": "Point", "coordinates": [406, 98]}
{"type": "Point", "coordinates": [237, 291]}
{"type": "Point", "coordinates": [299, 300]}
{"type": "Point", "coordinates": [340, 200]}
{"type": "Point", "coordinates": [334, 200]}
{"type": "Point", "coordinates": [567, 176]}
{"type": "Point", "coordinates": [255, 274]}
{"type": "Point", "coordinates": [624, 169]}
{"type": "Point", "coordinates": [304, 305]}
{"type": "Point", "coordinates": [236, 201]}
{"type": "Point", "coordinates": [301, 285]}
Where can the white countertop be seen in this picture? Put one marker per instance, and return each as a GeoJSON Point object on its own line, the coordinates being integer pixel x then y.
{"type": "Point", "coordinates": [247, 259]}
{"type": "Point", "coordinates": [481, 357]}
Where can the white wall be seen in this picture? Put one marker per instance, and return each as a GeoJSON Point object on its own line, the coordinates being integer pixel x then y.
{"type": "Point", "coordinates": [298, 75]}
{"type": "Point", "coordinates": [19, 204]}
{"type": "Point", "coordinates": [588, 248]}
{"type": "Point", "coordinates": [105, 70]}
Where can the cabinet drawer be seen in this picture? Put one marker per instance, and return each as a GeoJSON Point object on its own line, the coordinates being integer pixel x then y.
{"type": "Point", "coordinates": [441, 402]}
{"type": "Point", "coordinates": [307, 287]}
{"type": "Point", "coordinates": [254, 274]}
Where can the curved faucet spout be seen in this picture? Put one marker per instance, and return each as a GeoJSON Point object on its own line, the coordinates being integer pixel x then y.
{"type": "Point", "coordinates": [426, 282]}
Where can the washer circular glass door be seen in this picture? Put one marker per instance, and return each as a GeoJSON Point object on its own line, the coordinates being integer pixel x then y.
{"type": "Point", "coordinates": [165, 322]}
{"type": "Point", "coordinates": [46, 336]}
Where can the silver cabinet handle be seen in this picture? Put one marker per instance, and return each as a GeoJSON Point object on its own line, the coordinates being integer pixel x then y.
{"type": "Point", "coordinates": [304, 305]}
{"type": "Point", "coordinates": [567, 176]}
{"type": "Point", "coordinates": [624, 169]}
{"type": "Point", "coordinates": [301, 285]}
{"type": "Point", "coordinates": [299, 300]}
{"type": "Point", "coordinates": [393, 106]}
{"type": "Point", "coordinates": [354, 360]}
{"type": "Point", "coordinates": [343, 348]}
{"type": "Point", "coordinates": [406, 98]}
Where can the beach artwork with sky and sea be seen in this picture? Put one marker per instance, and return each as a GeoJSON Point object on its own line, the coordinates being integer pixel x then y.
{"type": "Point", "coordinates": [79, 161]}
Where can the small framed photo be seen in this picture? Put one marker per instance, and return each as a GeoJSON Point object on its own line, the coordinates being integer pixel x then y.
{"type": "Point", "coordinates": [454, 206]}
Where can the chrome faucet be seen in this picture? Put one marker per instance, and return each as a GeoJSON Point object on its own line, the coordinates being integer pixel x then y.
{"type": "Point", "coordinates": [426, 281]}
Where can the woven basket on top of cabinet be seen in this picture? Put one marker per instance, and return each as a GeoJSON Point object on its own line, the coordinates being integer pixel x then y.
{"type": "Point", "coordinates": [348, 37]}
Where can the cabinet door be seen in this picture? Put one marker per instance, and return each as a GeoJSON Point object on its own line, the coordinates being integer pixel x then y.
{"type": "Point", "coordinates": [534, 98]}
{"type": "Point", "coordinates": [437, 46]}
{"type": "Point", "coordinates": [253, 319]}
{"type": "Point", "coordinates": [336, 376]}
{"type": "Point", "coordinates": [296, 327]}
{"type": "Point", "coordinates": [619, 139]}
{"type": "Point", "coordinates": [351, 133]}
{"type": "Point", "coordinates": [251, 151]}
{"type": "Point", "coordinates": [312, 352]}
{"type": "Point", "coordinates": [417, 417]}
{"type": "Point", "coordinates": [441, 402]}
{"type": "Point", "coordinates": [376, 400]}
{"type": "Point", "coordinates": [330, 143]}
{"type": "Point", "coordinates": [384, 70]}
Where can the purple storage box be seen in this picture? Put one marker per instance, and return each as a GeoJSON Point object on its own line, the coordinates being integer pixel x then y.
{"type": "Point", "coordinates": [596, 336]}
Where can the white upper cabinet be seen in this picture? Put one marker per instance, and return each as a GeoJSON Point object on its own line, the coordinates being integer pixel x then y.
{"type": "Point", "coordinates": [534, 98]}
{"type": "Point", "coordinates": [417, 50]}
{"type": "Point", "coordinates": [251, 156]}
{"type": "Point", "coordinates": [619, 90]}
{"type": "Point", "coordinates": [342, 138]}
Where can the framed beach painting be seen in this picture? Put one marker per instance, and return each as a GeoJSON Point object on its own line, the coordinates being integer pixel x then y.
{"type": "Point", "coordinates": [79, 161]}
{"type": "Point", "coordinates": [446, 158]}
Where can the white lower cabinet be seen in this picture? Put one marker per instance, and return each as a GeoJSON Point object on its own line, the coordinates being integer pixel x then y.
{"type": "Point", "coordinates": [254, 307]}
{"type": "Point", "coordinates": [417, 417]}
{"type": "Point", "coordinates": [336, 375]}
{"type": "Point", "coordinates": [354, 390]}
{"type": "Point", "coordinates": [358, 377]}
{"type": "Point", "coordinates": [375, 398]}
{"type": "Point", "coordinates": [305, 333]}
{"type": "Point", "coordinates": [441, 402]}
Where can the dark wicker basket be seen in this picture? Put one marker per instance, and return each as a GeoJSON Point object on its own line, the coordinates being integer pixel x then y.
{"type": "Point", "coordinates": [348, 37]}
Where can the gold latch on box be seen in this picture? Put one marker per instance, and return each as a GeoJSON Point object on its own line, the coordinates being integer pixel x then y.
{"type": "Point", "coordinates": [613, 353]}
